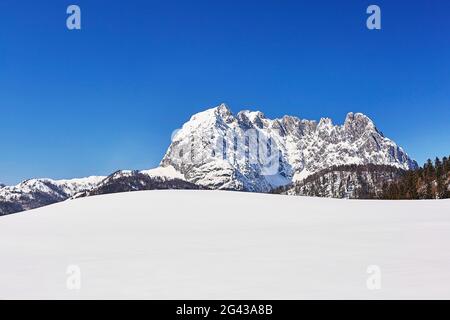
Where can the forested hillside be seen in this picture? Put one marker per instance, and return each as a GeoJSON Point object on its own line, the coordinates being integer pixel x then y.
{"type": "Point", "coordinates": [432, 181]}
{"type": "Point", "coordinates": [345, 181]}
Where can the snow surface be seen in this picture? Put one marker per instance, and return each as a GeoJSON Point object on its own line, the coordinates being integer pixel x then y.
{"type": "Point", "coordinates": [168, 172]}
{"type": "Point", "coordinates": [226, 245]}
{"type": "Point", "coordinates": [45, 185]}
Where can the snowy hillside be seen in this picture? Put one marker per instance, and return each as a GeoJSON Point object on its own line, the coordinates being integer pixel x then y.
{"type": "Point", "coordinates": [248, 151]}
{"type": "Point", "coordinates": [128, 180]}
{"type": "Point", "coordinates": [345, 182]}
{"type": "Point", "coordinates": [36, 193]}
{"type": "Point", "coordinates": [216, 244]}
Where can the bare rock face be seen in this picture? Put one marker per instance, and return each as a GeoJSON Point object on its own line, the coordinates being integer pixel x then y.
{"type": "Point", "coordinates": [250, 152]}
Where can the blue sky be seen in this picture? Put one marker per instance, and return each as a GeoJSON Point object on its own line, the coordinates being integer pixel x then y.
{"type": "Point", "coordinates": [107, 97]}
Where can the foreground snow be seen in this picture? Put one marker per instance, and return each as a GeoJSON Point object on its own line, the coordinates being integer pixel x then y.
{"type": "Point", "coordinates": [217, 244]}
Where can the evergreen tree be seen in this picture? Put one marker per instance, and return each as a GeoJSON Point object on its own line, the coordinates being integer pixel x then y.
{"type": "Point", "coordinates": [429, 170]}
{"type": "Point", "coordinates": [447, 165]}
{"type": "Point", "coordinates": [440, 178]}
{"type": "Point", "coordinates": [412, 186]}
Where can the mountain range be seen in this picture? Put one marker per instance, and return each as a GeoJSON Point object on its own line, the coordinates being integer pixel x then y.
{"type": "Point", "coordinates": [247, 151]}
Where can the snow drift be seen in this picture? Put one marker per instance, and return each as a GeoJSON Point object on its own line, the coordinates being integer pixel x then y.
{"type": "Point", "coordinates": [226, 245]}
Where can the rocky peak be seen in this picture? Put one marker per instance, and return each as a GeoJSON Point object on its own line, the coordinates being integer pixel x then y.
{"type": "Point", "coordinates": [251, 118]}
{"type": "Point", "coordinates": [211, 117]}
{"type": "Point", "coordinates": [303, 148]}
{"type": "Point", "coordinates": [358, 123]}
{"type": "Point", "coordinates": [325, 123]}
{"type": "Point", "coordinates": [223, 111]}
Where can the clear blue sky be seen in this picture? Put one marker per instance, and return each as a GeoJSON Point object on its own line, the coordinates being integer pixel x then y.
{"type": "Point", "coordinates": [77, 103]}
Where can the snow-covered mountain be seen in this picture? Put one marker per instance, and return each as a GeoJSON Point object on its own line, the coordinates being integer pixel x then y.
{"type": "Point", "coordinates": [248, 151]}
{"type": "Point", "coordinates": [133, 180]}
{"type": "Point", "coordinates": [36, 193]}
{"type": "Point", "coordinates": [216, 149]}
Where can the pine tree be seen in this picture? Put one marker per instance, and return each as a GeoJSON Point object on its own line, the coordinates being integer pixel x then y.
{"type": "Point", "coordinates": [447, 165]}
{"type": "Point", "coordinates": [429, 170]}
{"type": "Point", "coordinates": [439, 172]}
{"type": "Point", "coordinates": [429, 190]}
{"type": "Point", "coordinates": [446, 194]}
{"type": "Point", "coordinates": [412, 186]}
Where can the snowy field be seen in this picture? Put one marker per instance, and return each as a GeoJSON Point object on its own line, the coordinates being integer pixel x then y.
{"type": "Point", "coordinates": [225, 245]}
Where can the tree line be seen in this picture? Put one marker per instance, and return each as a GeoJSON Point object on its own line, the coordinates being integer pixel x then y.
{"type": "Point", "coordinates": [345, 181]}
{"type": "Point", "coordinates": [431, 181]}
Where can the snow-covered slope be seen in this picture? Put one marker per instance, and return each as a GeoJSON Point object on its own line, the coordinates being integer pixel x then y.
{"type": "Point", "coordinates": [35, 193]}
{"type": "Point", "coordinates": [128, 180]}
{"type": "Point", "coordinates": [250, 152]}
{"type": "Point", "coordinates": [226, 245]}
{"type": "Point", "coordinates": [168, 172]}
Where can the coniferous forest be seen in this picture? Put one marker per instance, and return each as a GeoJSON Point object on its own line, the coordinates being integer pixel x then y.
{"type": "Point", "coordinates": [432, 181]}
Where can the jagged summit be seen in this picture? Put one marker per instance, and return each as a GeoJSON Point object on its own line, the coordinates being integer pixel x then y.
{"type": "Point", "coordinates": [223, 107]}
{"type": "Point", "coordinates": [214, 148]}
{"type": "Point", "coordinates": [354, 121]}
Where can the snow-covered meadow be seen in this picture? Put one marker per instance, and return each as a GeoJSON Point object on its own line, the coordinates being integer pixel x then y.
{"type": "Point", "coordinates": [226, 245]}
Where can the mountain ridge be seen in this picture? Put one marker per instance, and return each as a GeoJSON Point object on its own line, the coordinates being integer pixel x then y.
{"type": "Point", "coordinates": [304, 147]}
{"type": "Point", "coordinates": [246, 151]}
